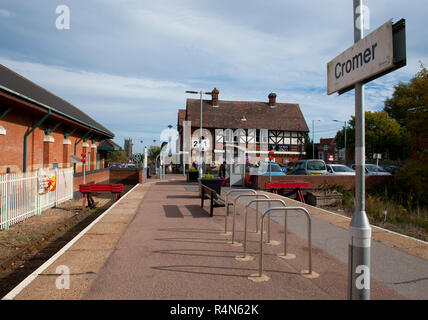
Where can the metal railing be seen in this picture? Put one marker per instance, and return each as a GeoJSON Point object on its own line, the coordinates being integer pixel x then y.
{"type": "Point", "coordinates": [267, 212]}
{"type": "Point", "coordinates": [26, 194]}
{"type": "Point", "coordinates": [255, 194]}
{"type": "Point", "coordinates": [227, 203]}
{"type": "Point", "coordinates": [257, 222]}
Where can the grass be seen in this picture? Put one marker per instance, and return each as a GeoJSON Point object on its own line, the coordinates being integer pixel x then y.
{"type": "Point", "coordinates": [400, 217]}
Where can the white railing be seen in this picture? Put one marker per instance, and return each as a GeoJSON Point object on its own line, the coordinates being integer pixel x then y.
{"type": "Point", "coordinates": [23, 195]}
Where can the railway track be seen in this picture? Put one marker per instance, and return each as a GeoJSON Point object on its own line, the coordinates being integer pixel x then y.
{"type": "Point", "coordinates": [16, 268]}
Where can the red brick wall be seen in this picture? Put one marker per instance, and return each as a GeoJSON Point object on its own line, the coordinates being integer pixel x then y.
{"type": "Point", "coordinates": [318, 182]}
{"type": "Point", "coordinates": [39, 153]}
{"type": "Point", "coordinates": [124, 175]}
{"type": "Point", "coordinates": [91, 177]}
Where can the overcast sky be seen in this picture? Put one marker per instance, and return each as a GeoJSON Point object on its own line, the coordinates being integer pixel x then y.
{"type": "Point", "coordinates": [127, 63]}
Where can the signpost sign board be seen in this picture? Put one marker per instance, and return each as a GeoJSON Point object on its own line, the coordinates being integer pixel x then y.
{"type": "Point", "coordinates": [373, 56]}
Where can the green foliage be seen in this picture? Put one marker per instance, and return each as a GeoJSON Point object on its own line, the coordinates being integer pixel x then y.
{"type": "Point", "coordinates": [347, 196]}
{"type": "Point", "coordinates": [383, 134]}
{"type": "Point", "coordinates": [410, 184]}
{"type": "Point", "coordinates": [193, 169]}
{"type": "Point", "coordinates": [208, 176]}
{"type": "Point", "coordinates": [153, 152]}
{"type": "Point", "coordinates": [309, 147]}
{"type": "Point", "coordinates": [408, 106]}
{"type": "Point", "coordinates": [116, 156]}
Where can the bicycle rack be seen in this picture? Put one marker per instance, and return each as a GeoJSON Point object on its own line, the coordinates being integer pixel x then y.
{"type": "Point", "coordinates": [286, 256]}
{"type": "Point", "coordinates": [234, 209]}
{"type": "Point", "coordinates": [227, 203]}
{"type": "Point", "coordinates": [306, 273]}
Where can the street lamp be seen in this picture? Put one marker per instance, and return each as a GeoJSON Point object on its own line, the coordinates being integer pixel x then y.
{"type": "Point", "coordinates": [202, 164]}
{"type": "Point", "coordinates": [313, 138]}
{"type": "Point", "coordinates": [345, 137]}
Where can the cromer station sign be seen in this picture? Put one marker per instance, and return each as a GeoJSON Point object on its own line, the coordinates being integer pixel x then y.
{"type": "Point", "coordinates": [373, 56]}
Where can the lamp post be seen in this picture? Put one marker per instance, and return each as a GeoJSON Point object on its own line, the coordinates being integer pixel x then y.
{"type": "Point", "coordinates": [202, 164]}
{"type": "Point", "coordinates": [345, 137]}
{"type": "Point", "coordinates": [313, 138]}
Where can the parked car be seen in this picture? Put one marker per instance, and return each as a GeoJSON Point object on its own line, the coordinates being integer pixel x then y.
{"type": "Point", "coordinates": [339, 170]}
{"type": "Point", "coordinates": [391, 169]}
{"type": "Point", "coordinates": [309, 167]}
{"type": "Point", "coordinates": [130, 165]}
{"type": "Point", "coordinates": [373, 170]}
{"type": "Point", "coordinates": [283, 167]}
{"type": "Point", "coordinates": [264, 170]}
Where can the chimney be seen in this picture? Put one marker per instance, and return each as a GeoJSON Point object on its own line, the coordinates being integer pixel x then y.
{"type": "Point", "coordinates": [272, 99]}
{"type": "Point", "coordinates": [214, 95]}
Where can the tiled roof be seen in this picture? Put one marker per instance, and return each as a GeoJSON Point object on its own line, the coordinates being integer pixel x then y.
{"type": "Point", "coordinates": [109, 145]}
{"type": "Point", "coordinates": [181, 116]}
{"type": "Point", "coordinates": [259, 115]}
{"type": "Point", "coordinates": [17, 83]}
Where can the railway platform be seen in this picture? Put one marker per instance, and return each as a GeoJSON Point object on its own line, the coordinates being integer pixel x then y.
{"type": "Point", "coordinates": [156, 243]}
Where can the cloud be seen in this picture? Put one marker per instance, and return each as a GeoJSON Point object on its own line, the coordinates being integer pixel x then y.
{"type": "Point", "coordinates": [5, 13]}
{"type": "Point", "coordinates": [128, 63]}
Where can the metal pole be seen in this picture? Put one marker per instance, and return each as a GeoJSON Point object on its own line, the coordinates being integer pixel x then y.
{"type": "Point", "coordinates": [359, 228]}
{"type": "Point", "coordinates": [145, 165]}
{"type": "Point", "coordinates": [345, 143]}
{"type": "Point", "coordinates": [200, 142]}
{"type": "Point", "coordinates": [313, 141]}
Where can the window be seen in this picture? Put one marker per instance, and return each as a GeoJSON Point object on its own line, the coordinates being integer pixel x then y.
{"type": "Point", "coordinates": [294, 139]}
{"type": "Point", "coordinates": [316, 165]}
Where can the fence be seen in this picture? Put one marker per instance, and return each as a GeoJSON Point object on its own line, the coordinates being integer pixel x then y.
{"type": "Point", "coordinates": [23, 195]}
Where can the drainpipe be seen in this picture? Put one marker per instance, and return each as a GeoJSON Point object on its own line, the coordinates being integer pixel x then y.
{"type": "Point", "coordinates": [24, 160]}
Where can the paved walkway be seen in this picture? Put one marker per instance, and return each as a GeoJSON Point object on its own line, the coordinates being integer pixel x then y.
{"type": "Point", "coordinates": [157, 243]}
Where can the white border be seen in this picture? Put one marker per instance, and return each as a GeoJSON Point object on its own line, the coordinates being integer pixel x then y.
{"type": "Point", "coordinates": [15, 291]}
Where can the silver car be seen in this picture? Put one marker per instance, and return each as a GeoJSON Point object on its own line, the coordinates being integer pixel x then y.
{"type": "Point", "coordinates": [373, 170]}
{"type": "Point", "coordinates": [339, 170]}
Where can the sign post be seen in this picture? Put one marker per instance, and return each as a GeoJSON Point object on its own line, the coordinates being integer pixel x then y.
{"type": "Point", "coordinates": [359, 228]}
{"type": "Point", "coordinates": [145, 165]}
{"type": "Point", "coordinates": [83, 155]}
{"type": "Point", "coordinates": [381, 52]}
{"type": "Point", "coordinates": [270, 166]}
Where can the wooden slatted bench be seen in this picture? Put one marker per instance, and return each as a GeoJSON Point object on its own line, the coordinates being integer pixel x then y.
{"type": "Point", "coordinates": [86, 189]}
{"type": "Point", "coordinates": [216, 200]}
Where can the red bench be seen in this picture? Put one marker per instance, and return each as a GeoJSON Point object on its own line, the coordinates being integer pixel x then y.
{"type": "Point", "coordinates": [99, 188]}
{"type": "Point", "coordinates": [296, 186]}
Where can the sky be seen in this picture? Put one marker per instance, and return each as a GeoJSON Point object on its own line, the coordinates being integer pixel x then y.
{"type": "Point", "coordinates": [128, 63]}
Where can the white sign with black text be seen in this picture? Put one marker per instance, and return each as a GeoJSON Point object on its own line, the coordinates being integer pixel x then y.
{"type": "Point", "coordinates": [370, 56]}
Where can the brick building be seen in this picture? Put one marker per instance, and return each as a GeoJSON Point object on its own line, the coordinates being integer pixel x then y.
{"type": "Point", "coordinates": [40, 130]}
{"type": "Point", "coordinates": [256, 127]}
{"type": "Point", "coordinates": [327, 148]}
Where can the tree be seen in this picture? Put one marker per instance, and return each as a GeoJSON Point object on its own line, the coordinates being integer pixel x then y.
{"type": "Point", "coordinates": [408, 105]}
{"type": "Point", "coordinates": [154, 151]}
{"type": "Point", "coordinates": [116, 156]}
{"type": "Point", "coordinates": [383, 135]}
{"type": "Point", "coordinates": [308, 147]}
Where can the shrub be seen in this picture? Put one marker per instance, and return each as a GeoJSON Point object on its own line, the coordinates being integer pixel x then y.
{"type": "Point", "coordinates": [193, 169]}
